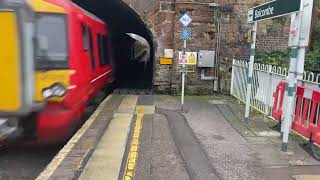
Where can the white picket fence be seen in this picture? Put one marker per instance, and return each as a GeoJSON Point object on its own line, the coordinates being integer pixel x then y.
{"type": "Point", "coordinates": [265, 80]}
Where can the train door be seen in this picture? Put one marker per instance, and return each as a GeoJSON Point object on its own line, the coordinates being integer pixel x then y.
{"type": "Point", "coordinates": [16, 58]}
{"type": "Point", "coordinates": [86, 64]}
{"type": "Point", "coordinates": [16, 64]}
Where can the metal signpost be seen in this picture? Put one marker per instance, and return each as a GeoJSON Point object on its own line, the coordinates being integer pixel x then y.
{"type": "Point", "coordinates": [250, 73]}
{"type": "Point", "coordinates": [298, 40]}
{"type": "Point", "coordinates": [185, 34]}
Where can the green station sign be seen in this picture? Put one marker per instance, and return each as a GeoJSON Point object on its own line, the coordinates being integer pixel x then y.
{"type": "Point", "coordinates": [273, 9]}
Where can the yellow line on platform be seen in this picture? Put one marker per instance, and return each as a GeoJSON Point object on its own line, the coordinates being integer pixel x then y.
{"type": "Point", "coordinates": [134, 146]}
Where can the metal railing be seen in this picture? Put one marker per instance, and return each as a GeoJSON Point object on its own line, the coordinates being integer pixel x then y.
{"type": "Point", "coordinates": [264, 82]}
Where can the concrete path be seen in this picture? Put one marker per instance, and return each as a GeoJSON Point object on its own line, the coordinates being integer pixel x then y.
{"type": "Point", "coordinates": [237, 151]}
{"type": "Point", "coordinates": [228, 152]}
{"type": "Point", "coordinates": [158, 156]}
{"type": "Point", "coordinates": [189, 148]}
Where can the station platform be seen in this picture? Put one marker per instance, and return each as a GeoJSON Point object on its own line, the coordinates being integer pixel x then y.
{"type": "Point", "coordinates": [146, 137]}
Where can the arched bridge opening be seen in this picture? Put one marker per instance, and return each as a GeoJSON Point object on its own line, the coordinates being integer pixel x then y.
{"type": "Point", "coordinates": [132, 42]}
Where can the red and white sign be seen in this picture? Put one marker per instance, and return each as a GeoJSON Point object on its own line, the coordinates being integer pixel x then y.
{"type": "Point", "coordinates": [183, 59]}
{"type": "Point", "coordinates": [189, 58]}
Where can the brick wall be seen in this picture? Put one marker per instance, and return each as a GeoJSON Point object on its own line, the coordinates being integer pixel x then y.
{"type": "Point", "coordinates": [273, 34]}
{"type": "Point", "coordinates": [162, 17]}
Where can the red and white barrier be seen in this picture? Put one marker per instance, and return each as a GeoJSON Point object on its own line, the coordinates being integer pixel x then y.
{"type": "Point", "coordinates": [307, 111]}
{"type": "Point", "coordinates": [278, 96]}
{"type": "Point", "coordinates": [301, 118]}
{"type": "Point", "coordinates": [306, 118]}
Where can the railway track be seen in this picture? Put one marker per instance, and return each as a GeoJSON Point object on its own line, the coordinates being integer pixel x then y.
{"type": "Point", "coordinates": [25, 162]}
{"type": "Point", "coordinates": [137, 91]}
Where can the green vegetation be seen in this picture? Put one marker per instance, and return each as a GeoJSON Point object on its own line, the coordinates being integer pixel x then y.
{"type": "Point", "coordinates": [281, 58]}
{"type": "Point", "coordinates": [275, 58]}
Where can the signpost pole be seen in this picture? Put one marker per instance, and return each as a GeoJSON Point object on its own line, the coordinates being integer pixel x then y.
{"type": "Point", "coordinates": [304, 35]}
{"type": "Point", "coordinates": [183, 73]}
{"type": "Point", "coordinates": [298, 40]}
{"type": "Point", "coordinates": [291, 84]}
{"type": "Point", "coordinates": [300, 62]}
{"type": "Point", "coordinates": [185, 34]}
{"type": "Point", "coordinates": [250, 73]}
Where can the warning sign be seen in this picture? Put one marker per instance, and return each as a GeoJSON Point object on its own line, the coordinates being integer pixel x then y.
{"type": "Point", "coordinates": [190, 58]}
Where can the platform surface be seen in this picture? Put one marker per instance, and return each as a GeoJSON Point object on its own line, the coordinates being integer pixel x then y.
{"type": "Point", "coordinates": [153, 138]}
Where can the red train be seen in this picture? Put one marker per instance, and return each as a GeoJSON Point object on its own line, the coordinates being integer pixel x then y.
{"type": "Point", "coordinates": [71, 67]}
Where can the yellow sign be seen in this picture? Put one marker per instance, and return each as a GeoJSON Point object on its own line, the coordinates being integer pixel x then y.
{"type": "Point", "coordinates": [165, 61]}
{"type": "Point", "coordinates": [191, 57]}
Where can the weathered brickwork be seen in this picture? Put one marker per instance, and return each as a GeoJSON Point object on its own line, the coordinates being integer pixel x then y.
{"type": "Point", "coordinates": [273, 34]}
{"type": "Point", "coordinates": [162, 17]}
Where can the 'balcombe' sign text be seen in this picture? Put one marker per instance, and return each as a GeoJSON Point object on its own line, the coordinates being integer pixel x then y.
{"type": "Point", "coordinates": [260, 13]}
{"type": "Point", "coordinates": [273, 9]}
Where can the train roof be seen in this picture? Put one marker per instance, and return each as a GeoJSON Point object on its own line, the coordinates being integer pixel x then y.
{"type": "Point", "coordinates": [59, 6]}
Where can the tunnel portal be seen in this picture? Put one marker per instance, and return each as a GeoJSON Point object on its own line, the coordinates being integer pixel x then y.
{"type": "Point", "coordinates": [129, 72]}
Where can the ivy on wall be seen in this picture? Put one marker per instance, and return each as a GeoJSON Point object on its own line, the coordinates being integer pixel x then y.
{"type": "Point", "coordinates": [275, 58]}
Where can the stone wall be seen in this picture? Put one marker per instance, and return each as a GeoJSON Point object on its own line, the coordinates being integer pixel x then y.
{"type": "Point", "coordinates": [162, 17]}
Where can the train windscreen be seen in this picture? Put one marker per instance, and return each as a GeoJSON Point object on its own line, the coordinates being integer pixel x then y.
{"type": "Point", "coordinates": [51, 42]}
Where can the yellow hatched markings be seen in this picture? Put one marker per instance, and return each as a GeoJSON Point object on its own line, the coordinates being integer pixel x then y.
{"type": "Point", "coordinates": [129, 100]}
{"type": "Point", "coordinates": [307, 177]}
{"type": "Point", "coordinates": [133, 151]}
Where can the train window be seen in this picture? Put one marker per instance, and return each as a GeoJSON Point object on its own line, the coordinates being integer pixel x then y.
{"type": "Point", "coordinates": [85, 37]}
{"type": "Point", "coordinates": [102, 57]}
{"type": "Point", "coordinates": [51, 52]}
{"type": "Point", "coordinates": [106, 48]}
{"type": "Point", "coordinates": [93, 61]}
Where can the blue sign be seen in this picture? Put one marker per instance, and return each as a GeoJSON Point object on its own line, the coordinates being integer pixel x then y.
{"type": "Point", "coordinates": [185, 20]}
{"type": "Point", "coordinates": [185, 33]}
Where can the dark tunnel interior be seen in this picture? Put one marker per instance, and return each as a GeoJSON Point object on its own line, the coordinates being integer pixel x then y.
{"type": "Point", "coordinates": [129, 72]}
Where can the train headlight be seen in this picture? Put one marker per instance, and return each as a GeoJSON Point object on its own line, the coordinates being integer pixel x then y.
{"type": "Point", "coordinates": [56, 90]}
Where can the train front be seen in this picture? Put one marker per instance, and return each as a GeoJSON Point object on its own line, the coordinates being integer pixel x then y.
{"type": "Point", "coordinates": [16, 68]}
{"type": "Point", "coordinates": [34, 72]}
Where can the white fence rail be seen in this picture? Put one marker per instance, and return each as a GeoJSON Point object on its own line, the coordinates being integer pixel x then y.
{"type": "Point", "coordinates": [264, 82]}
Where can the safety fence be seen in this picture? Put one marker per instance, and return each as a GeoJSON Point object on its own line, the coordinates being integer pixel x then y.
{"type": "Point", "coordinates": [268, 95]}
{"type": "Point", "coordinates": [264, 82]}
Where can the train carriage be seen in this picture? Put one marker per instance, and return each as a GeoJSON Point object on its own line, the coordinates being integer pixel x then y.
{"type": "Point", "coordinates": [69, 63]}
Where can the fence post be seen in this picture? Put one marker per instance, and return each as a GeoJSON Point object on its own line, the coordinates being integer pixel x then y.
{"type": "Point", "coordinates": [232, 76]}
{"type": "Point", "coordinates": [268, 91]}
{"type": "Point", "coordinates": [250, 73]}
